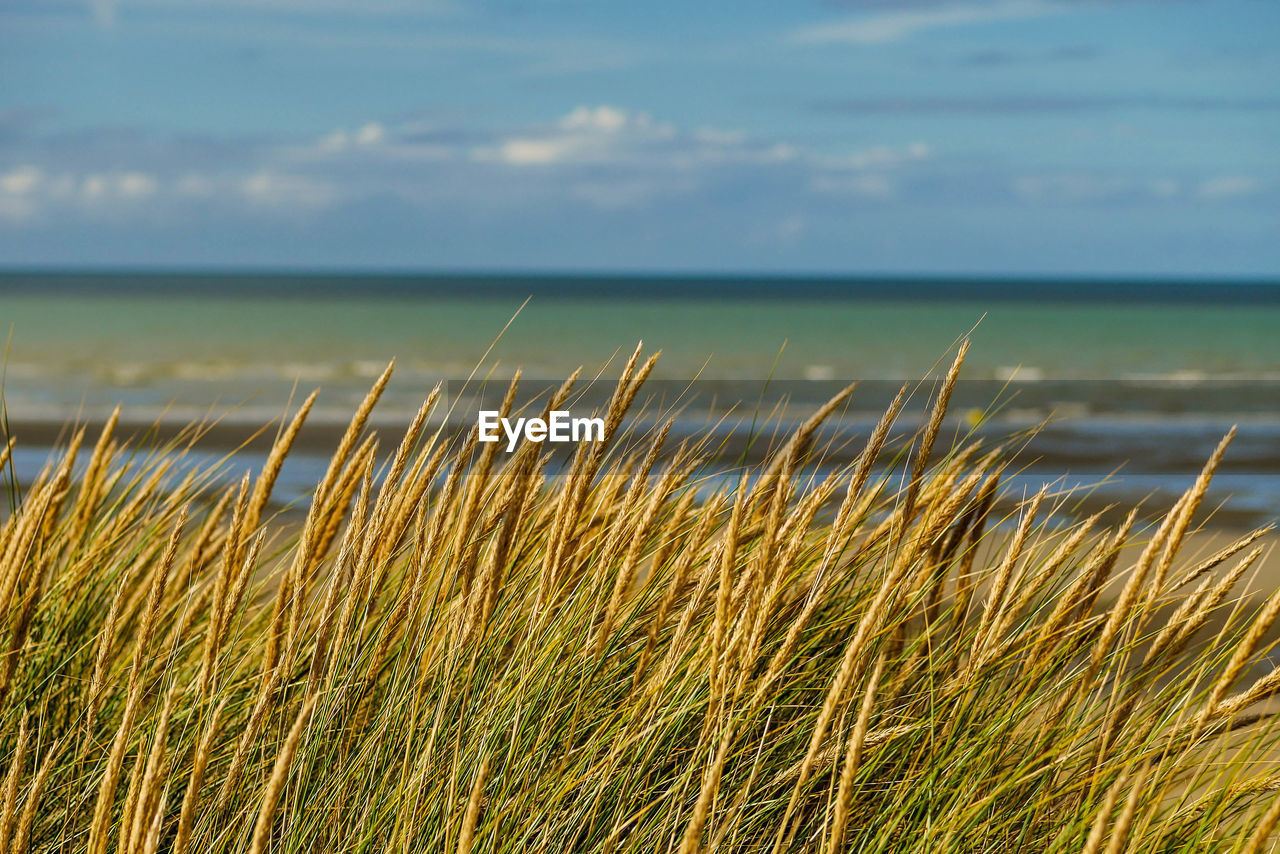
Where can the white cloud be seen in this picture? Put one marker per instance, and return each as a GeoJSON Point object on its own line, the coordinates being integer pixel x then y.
{"type": "Point", "coordinates": [605, 119]}
{"type": "Point", "coordinates": [395, 143]}
{"type": "Point", "coordinates": [604, 156]}
{"type": "Point", "coordinates": [340, 140]}
{"type": "Point", "coordinates": [595, 136]}
{"type": "Point", "coordinates": [886, 27]}
{"type": "Point", "coordinates": [94, 187]}
{"type": "Point", "coordinates": [371, 134]}
{"type": "Point", "coordinates": [586, 135]}
{"type": "Point", "coordinates": [135, 185]}
{"type": "Point", "coordinates": [21, 180]}
{"type": "Point", "coordinates": [116, 186]}
{"type": "Point", "coordinates": [333, 143]}
{"type": "Point", "coordinates": [1228, 186]}
{"type": "Point", "coordinates": [277, 189]}
{"type": "Point", "coordinates": [26, 191]}
{"type": "Point", "coordinates": [524, 152]}
{"type": "Point", "coordinates": [18, 189]}
{"type": "Point", "coordinates": [867, 173]}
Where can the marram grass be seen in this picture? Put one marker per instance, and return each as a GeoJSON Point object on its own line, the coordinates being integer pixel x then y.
{"type": "Point", "coordinates": [458, 652]}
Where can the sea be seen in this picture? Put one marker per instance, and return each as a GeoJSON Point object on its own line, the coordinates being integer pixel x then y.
{"type": "Point", "coordinates": [1119, 389]}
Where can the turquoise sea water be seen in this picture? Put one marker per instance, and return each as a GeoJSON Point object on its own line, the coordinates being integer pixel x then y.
{"type": "Point", "coordinates": [191, 345]}
{"type": "Point", "coordinates": [178, 345]}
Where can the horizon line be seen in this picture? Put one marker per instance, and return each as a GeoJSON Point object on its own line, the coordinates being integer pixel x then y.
{"type": "Point", "coordinates": [547, 284]}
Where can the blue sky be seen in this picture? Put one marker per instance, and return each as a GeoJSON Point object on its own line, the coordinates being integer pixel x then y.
{"type": "Point", "coordinates": [1058, 137]}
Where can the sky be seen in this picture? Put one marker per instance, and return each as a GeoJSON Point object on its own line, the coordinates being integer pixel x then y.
{"type": "Point", "coordinates": [849, 137]}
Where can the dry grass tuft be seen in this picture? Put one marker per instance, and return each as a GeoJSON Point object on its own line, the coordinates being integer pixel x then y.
{"type": "Point", "coordinates": [461, 649]}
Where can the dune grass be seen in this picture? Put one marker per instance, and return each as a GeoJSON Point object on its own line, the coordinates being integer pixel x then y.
{"type": "Point", "coordinates": [458, 652]}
